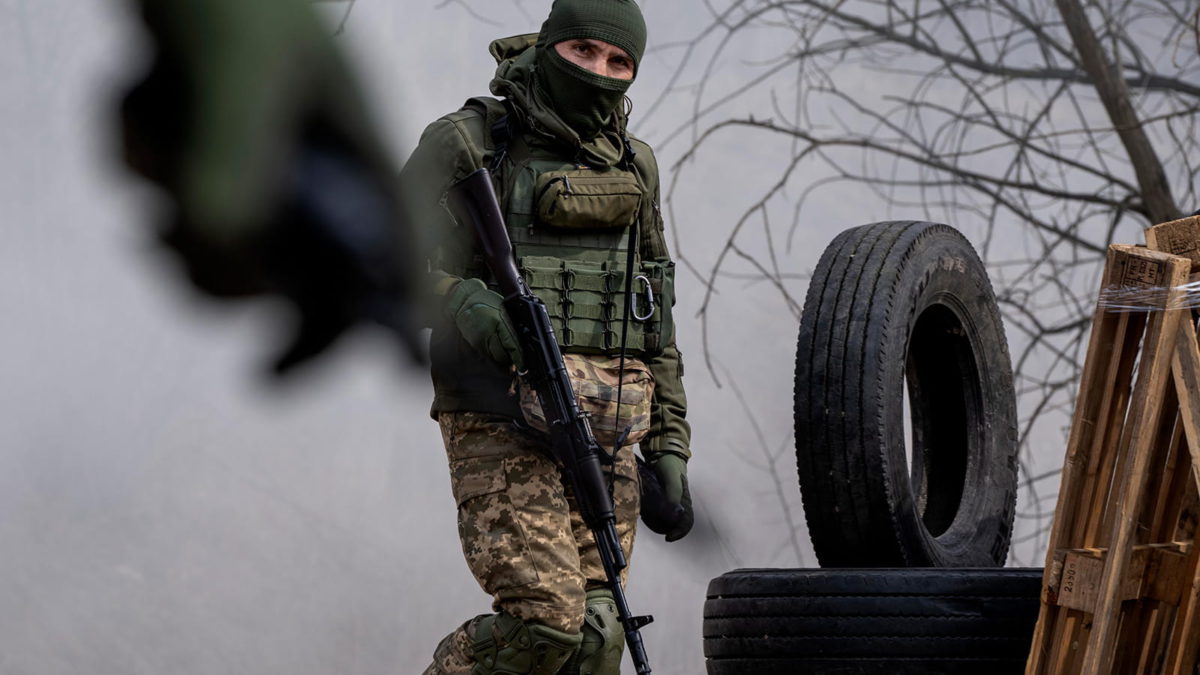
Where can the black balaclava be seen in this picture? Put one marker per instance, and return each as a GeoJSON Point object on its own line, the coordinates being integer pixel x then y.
{"type": "Point", "coordinates": [583, 99]}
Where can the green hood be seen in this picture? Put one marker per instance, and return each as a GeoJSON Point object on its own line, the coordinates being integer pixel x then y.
{"type": "Point", "coordinates": [515, 80]}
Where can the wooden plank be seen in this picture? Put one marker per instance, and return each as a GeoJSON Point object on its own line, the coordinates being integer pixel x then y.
{"type": "Point", "coordinates": [1050, 646]}
{"type": "Point", "coordinates": [1142, 625]}
{"type": "Point", "coordinates": [1186, 371]}
{"type": "Point", "coordinates": [1168, 575]}
{"type": "Point", "coordinates": [1148, 268]}
{"type": "Point", "coordinates": [1183, 581]}
{"type": "Point", "coordinates": [1163, 504]}
{"type": "Point", "coordinates": [1103, 404]}
{"type": "Point", "coordinates": [1183, 645]}
{"type": "Point", "coordinates": [1151, 634]}
{"type": "Point", "coordinates": [1096, 427]}
{"type": "Point", "coordinates": [1073, 627]}
{"type": "Point", "coordinates": [1100, 553]}
{"type": "Point", "coordinates": [1083, 573]}
{"type": "Point", "coordinates": [1096, 522]}
{"type": "Point", "coordinates": [1049, 631]}
{"type": "Point", "coordinates": [1178, 237]}
{"type": "Point", "coordinates": [1153, 572]}
{"type": "Point", "coordinates": [1080, 587]}
{"type": "Point", "coordinates": [1095, 431]}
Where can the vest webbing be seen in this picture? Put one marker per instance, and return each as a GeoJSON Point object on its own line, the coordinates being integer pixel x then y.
{"type": "Point", "coordinates": [578, 275]}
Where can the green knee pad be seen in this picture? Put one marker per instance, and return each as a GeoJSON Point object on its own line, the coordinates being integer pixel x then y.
{"type": "Point", "coordinates": [505, 645]}
{"type": "Point", "coordinates": [603, 638]}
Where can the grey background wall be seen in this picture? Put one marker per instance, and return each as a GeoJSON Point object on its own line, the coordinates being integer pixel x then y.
{"type": "Point", "coordinates": [165, 510]}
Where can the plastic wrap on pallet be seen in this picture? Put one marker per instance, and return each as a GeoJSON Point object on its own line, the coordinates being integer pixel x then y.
{"type": "Point", "coordinates": [1150, 298]}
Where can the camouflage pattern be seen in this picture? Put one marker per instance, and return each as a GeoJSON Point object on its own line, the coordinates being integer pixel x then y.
{"type": "Point", "coordinates": [454, 655]}
{"type": "Point", "coordinates": [595, 380]}
{"type": "Point", "coordinates": [521, 532]}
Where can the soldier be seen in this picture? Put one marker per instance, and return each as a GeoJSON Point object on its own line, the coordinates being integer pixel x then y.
{"type": "Point", "coordinates": [580, 199]}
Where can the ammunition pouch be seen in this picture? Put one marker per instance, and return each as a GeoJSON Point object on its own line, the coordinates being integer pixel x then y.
{"type": "Point", "coordinates": [586, 302]}
{"type": "Point", "coordinates": [587, 199]}
{"type": "Point", "coordinates": [659, 278]}
{"type": "Point", "coordinates": [596, 381]}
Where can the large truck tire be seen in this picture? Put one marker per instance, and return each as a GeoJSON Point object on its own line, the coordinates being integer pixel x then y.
{"type": "Point", "coordinates": [891, 306]}
{"type": "Point", "coordinates": [871, 621]}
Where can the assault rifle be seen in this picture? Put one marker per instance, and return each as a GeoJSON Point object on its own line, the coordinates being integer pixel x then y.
{"type": "Point", "coordinates": [472, 201]}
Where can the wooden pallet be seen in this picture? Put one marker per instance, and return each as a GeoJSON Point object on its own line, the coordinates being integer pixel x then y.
{"type": "Point", "coordinates": [1121, 592]}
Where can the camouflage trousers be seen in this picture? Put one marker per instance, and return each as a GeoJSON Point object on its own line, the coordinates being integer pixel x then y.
{"type": "Point", "coordinates": [521, 531]}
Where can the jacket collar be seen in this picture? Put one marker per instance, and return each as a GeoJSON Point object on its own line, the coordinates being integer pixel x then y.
{"type": "Point", "coordinates": [515, 80]}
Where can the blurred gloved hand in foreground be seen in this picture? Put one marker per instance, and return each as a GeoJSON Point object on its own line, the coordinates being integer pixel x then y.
{"type": "Point", "coordinates": [251, 121]}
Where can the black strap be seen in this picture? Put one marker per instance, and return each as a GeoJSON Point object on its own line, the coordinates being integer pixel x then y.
{"type": "Point", "coordinates": [630, 248]}
{"type": "Point", "coordinates": [628, 154]}
{"type": "Point", "coordinates": [502, 134]}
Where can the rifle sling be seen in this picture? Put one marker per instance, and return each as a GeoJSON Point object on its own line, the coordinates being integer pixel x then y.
{"type": "Point", "coordinates": [631, 249]}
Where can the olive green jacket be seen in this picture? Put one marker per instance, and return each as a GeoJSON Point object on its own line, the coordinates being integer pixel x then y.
{"type": "Point", "coordinates": [458, 144]}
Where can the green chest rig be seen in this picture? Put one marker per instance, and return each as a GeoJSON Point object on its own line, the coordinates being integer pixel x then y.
{"type": "Point", "coordinates": [574, 231]}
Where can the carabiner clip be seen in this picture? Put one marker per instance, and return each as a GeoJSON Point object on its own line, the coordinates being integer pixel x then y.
{"type": "Point", "coordinates": [649, 299]}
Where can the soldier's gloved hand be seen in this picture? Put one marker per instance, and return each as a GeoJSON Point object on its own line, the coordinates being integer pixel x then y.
{"type": "Point", "coordinates": [250, 120]}
{"type": "Point", "coordinates": [477, 312]}
{"type": "Point", "coordinates": [666, 500]}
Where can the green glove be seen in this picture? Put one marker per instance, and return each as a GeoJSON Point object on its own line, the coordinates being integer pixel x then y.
{"type": "Point", "coordinates": [234, 88]}
{"type": "Point", "coordinates": [251, 121]}
{"type": "Point", "coordinates": [477, 312]}
{"type": "Point", "coordinates": [666, 500]}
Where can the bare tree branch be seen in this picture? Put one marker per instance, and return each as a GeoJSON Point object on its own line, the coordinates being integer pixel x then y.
{"type": "Point", "coordinates": [997, 116]}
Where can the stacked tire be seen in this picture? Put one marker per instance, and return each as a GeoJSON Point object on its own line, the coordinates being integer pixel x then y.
{"type": "Point", "coordinates": [877, 621]}
{"type": "Point", "coordinates": [906, 446]}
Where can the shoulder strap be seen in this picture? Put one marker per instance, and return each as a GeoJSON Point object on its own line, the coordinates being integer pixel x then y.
{"type": "Point", "coordinates": [497, 119]}
{"type": "Point", "coordinates": [501, 132]}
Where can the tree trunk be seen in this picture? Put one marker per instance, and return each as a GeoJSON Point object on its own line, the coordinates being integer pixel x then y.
{"type": "Point", "coordinates": [1110, 85]}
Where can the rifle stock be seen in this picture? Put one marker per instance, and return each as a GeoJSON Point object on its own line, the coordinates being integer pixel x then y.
{"type": "Point", "coordinates": [472, 201]}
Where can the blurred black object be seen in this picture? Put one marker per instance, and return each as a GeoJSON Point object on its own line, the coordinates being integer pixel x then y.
{"type": "Point", "coordinates": [330, 239]}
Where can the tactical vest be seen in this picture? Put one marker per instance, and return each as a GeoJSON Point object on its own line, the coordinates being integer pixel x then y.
{"type": "Point", "coordinates": [573, 232]}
